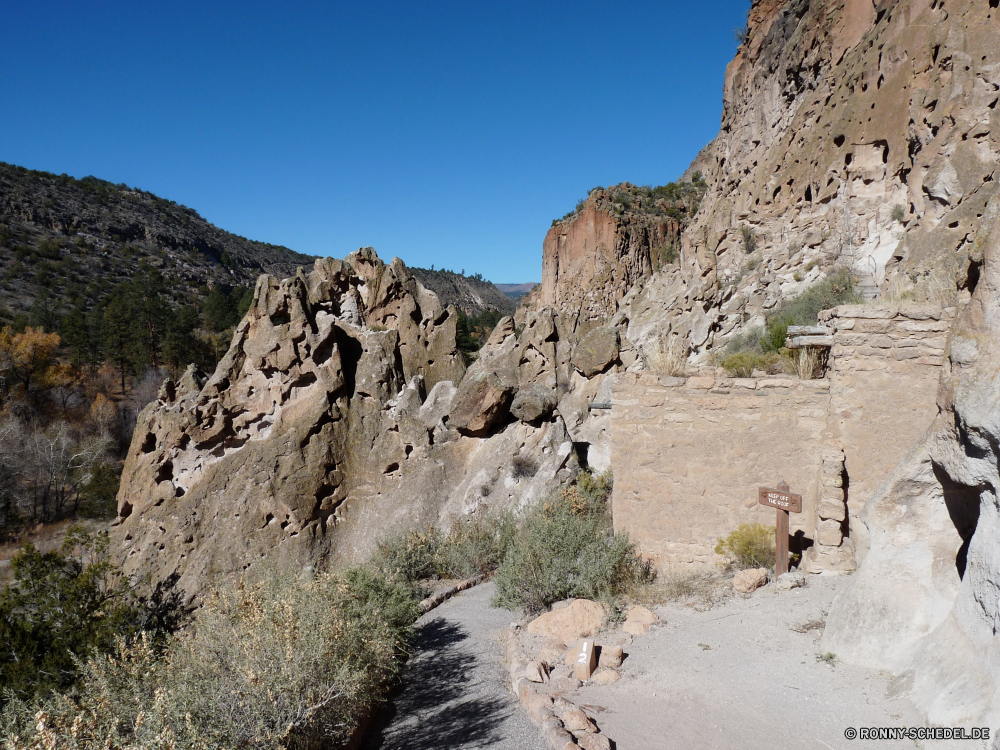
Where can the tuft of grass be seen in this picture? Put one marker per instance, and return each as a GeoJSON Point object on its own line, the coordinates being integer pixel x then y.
{"type": "Point", "coordinates": [750, 545]}
{"type": "Point", "coordinates": [898, 213]}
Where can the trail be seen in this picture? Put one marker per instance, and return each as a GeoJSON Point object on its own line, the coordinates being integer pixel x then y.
{"type": "Point", "coordinates": [454, 695]}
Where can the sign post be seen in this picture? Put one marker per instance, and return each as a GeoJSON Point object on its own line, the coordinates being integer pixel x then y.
{"type": "Point", "coordinates": [784, 501]}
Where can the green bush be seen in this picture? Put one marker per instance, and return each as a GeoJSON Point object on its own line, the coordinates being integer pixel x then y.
{"type": "Point", "coordinates": [751, 545]}
{"type": "Point", "coordinates": [898, 213]}
{"type": "Point", "coordinates": [473, 546]}
{"type": "Point", "coordinates": [567, 548]}
{"type": "Point", "coordinates": [272, 661]}
{"type": "Point", "coordinates": [65, 605]}
{"type": "Point", "coordinates": [410, 556]}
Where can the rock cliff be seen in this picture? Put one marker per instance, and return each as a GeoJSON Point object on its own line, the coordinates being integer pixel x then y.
{"type": "Point", "coordinates": [341, 413]}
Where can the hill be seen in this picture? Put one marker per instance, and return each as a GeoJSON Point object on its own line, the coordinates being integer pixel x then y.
{"type": "Point", "coordinates": [63, 238]}
{"type": "Point", "coordinates": [473, 295]}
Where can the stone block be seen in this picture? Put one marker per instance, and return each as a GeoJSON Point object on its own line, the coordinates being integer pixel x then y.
{"type": "Point", "coordinates": [700, 383]}
{"type": "Point", "coordinates": [585, 660]}
{"type": "Point", "coordinates": [832, 480]}
{"type": "Point", "coordinates": [671, 382]}
{"type": "Point", "coordinates": [536, 671]}
{"type": "Point", "coordinates": [611, 657]}
{"type": "Point", "coordinates": [873, 326]}
{"type": "Point", "coordinates": [899, 354]}
{"type": "Point", "coordinates": [920, 312]}
{"type": "Point", "coordinates": [831, 510]}
{"type": "Point", "coordinates": [536, 703]}
{"type": "Point", "coordinates": [744, 383]}
{"type": "Point", "coordinates": [829, 534]}
{"type": "Point", "coordinates": [819, 558]}
{"type": "Point", "coordinates": [881, 341]}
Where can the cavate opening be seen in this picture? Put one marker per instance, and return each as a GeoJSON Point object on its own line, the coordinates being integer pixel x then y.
{"type": "Point", "coordinates": [962, 502]}
{"type": "Point", "coordinates": [582, 454]}
{"type": "Point", "coordinates": [350, 354]}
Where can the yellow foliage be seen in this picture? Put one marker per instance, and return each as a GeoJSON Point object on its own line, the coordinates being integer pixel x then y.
{"type": "Point", "coordinates": [28, 359]}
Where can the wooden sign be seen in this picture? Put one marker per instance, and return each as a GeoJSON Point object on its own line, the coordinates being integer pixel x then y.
{"type": "Point", "coordinates": [782, 500]}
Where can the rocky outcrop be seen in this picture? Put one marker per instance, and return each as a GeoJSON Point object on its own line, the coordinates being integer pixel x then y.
{"type": "Point", "coordinates": [340, 414]}
{"type": "Point", "coordinates": [925, 602]}
{"type": "Point", "coordinates": [591, 258]}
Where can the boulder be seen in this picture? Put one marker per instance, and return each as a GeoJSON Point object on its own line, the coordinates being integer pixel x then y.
{"type": "Point", "coordinates": [638, 621]}
{"type": "Point", "coordinates": [596, 351]}
{"type": "Point", "coordinates": [483, 401]}
{"type": "Point", "coordinates": [533, 403]}
{"type": "Point", "coordinates": [536, 672]}
{"type": "Point", "coordinates": [582, 618]}
{"type": "Point", "coordinates": [605, 676]}
{"type": "Point", "coordinates": [748, 581]}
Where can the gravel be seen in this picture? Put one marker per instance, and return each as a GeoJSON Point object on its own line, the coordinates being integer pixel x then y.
{"type": "Point", "coordinates": [454, 693]}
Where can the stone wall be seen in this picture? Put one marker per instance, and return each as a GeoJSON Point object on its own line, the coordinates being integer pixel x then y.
{"type": "Point", "coordinates": [689, 453]}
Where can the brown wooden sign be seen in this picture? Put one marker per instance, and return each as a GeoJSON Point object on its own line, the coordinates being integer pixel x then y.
{"type": "Point", "coordinates": [778, 499]}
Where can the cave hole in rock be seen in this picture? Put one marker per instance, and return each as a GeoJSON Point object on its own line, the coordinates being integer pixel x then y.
{"type": "Point", "coordinates": [838, 141]}
{"type": "Point", "coordinates": [124, 513]}
{"type": "Point", "coordinates": [972, 276]}
{"type": "Point", "coordinates": [149, 443]}
{"type": "Point", "coordinates": [582, 453]}
{"type": "Point", "coordinates": [994, 4]}
{"type": "Point", "coordinates": [391, 468]}
{"type": "Point", "coordinates": [848, 158]}
{"type": "Point", "coordinates": [962, 502]}
{"type": "Point", "coordinates": [165, 473]}
{"type": "Point", "coordinates": [350, 354]}
{"type": "Point", "coordinates": [809, 193]}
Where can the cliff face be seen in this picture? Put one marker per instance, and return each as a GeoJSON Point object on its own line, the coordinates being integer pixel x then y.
{"type": "Point", "coordinates": [854, 135]}
{"type": "Point", "coordinates": [615, 240]}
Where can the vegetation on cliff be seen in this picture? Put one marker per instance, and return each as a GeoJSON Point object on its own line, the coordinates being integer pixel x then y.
{"type": "Point", "coordinates": [677, 200]}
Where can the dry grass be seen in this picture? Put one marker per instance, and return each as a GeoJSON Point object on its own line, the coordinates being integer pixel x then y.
{"type": "Point", "coordinates": [935, 288]}
{"type": "Point", "coordinates": [701, 588]}
{"type": "Point", "coordinates": [666, 357]}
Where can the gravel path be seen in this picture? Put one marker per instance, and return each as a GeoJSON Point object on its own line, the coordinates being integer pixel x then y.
{"type": "Point", "coordinates": [741, 676]}
{"type": "Point", "coordinates": [454, 694]}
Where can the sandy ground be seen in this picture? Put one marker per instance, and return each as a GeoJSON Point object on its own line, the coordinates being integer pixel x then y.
{"type": "Point", "coordinates": [740, 676]}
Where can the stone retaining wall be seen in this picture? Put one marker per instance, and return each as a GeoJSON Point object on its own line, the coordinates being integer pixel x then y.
{"type": "Point", "coordinates": [689, 453]}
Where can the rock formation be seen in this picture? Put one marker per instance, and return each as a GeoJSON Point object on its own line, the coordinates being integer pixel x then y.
{"type": "Point", "coordinates": [341, 413]}
{"type": "Point", "coordinates": [925, 602]}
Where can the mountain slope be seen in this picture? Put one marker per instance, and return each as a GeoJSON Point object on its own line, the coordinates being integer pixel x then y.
{"type": "Point", "coordinates": [65, 238]}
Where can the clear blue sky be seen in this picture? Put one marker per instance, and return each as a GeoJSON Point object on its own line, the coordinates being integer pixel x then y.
{"type": "Point", "coordinates": [445, 133]}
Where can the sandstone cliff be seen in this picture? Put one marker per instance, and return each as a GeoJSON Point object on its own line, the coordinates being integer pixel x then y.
{"type": "Point", "coordinates": [342, 413]}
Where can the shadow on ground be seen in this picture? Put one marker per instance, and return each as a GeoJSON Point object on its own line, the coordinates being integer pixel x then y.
{"type": "Point", "coordinates": [439, 704]}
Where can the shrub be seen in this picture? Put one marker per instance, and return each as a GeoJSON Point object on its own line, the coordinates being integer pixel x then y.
{"type": "Point", "coordinates": [749, 237]}
{"type": "Point", "coordinates": [272, 661]}
{"type": "Point", "coordinates": [410, 556]}
{"type": "Point", "coordinates": [898, 213]}
{"type": "Point", "coordinates": [523, 467]}
{"type": "Point", "coordinates": [751, 545]}
{"type": "Point", "coordinates": [566, 547]}
{"type": "Point", "coordinates": [64, 606]}
{"type": "Point", "coordinates": [475, 546]}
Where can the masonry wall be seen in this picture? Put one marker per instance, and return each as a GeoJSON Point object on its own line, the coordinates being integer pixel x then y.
{"type": "Point", "coordinates": [689, 453]}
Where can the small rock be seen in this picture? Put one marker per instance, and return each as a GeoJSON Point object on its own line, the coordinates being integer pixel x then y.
{"type": "Point", "coordinates": [596, 351]}
{"type": "Point", "coordinates": [551, 651]}
{"type": "Point", "coordinates": [536, 672]}
{"type": "Point", "coordinates": [536, 704]}
{"type": "Point", "coordinates": [747, 581]}
{"type": "Point", "coordinates": [605, 676]}
{"type": "Point", "coordinates": [638, 621]}
{"type": "Point", "coordinates": [611, 657]}
{"type": "Point", "coordinates": [586, 660]}
{"type": "Point", "coordinates": [790, 580]}
{"type": "Point", "coordinates": [594, 742]}
{"type": "Point", "coordinates": [564, 684]}
{"type": "Point", "coordinates": [560, 670]}
{"type": "Point", "coordinates": [577, 721]}
{"type": "Point", "coordinates": [580, 619]}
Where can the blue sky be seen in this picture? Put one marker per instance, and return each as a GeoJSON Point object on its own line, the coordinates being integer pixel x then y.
{"type": "Point", "coordinates": [445, 133]}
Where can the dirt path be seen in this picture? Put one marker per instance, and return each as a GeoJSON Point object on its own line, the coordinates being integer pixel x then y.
{"type": "Point", "coordinates": [454, 695]}
{"type": "Point", "coordinates": [739, 676]}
